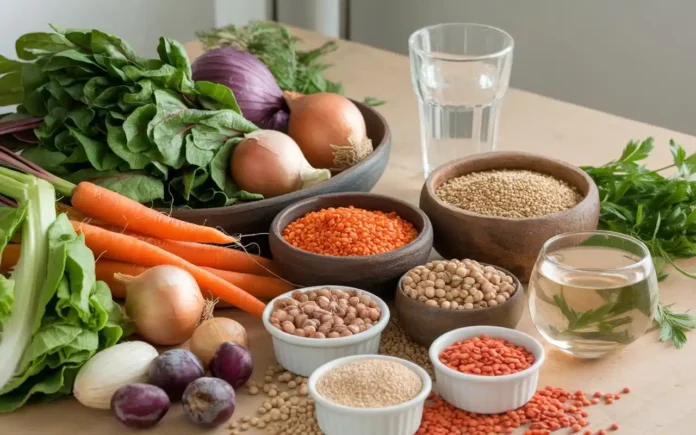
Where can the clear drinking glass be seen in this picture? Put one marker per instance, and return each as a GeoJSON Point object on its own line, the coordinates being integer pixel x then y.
{"type": "Point", "coordinates": [592, 292]}
{"type": "Point", "coordinates": [460, 74]}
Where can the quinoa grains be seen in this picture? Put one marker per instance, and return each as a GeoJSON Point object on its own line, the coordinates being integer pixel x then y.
{"type": "Point", "coordinates": [370, 383]}
{"type": "Point", "coordinates": [509, 193]}
{"type": "Point", "coordinates": [486, 356]}
{"type": "Point", "coordinates": [458, 285]}
{"type": "Point", "coordinates": [325, 313]}
{"type": "Point", "coordinates": [349, 231]}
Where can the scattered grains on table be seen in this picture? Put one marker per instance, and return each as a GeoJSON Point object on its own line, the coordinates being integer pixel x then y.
{"type": "Point", "coordinates": [324, 313]}
{"type": "Point", "coordinates": [549, 410]}
{"type": "Point", "coordinates": [486, 356]}
{"type": "Point", "coordinates": [370, 383]}
{"type": "Point", "coordinates": [349, 231]}
{"type": "Point", "coordinates": [509, 193]}
{"type": "Point", "coordinates": [458, 285]}
{"type": "Point", "coordinates": [395, 342]}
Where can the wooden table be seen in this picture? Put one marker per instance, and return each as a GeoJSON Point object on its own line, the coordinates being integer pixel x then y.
{"type": "Point", "coordinates": [664, 387]}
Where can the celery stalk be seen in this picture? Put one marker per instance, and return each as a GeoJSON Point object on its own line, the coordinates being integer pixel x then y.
{"type": "Point", "coordinates": [29, 275]}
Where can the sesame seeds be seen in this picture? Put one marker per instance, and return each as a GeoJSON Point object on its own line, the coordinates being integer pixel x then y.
{"type": "Point", "coordinates": [509, 193]}
{"type": "Point", "coordinates": [370, 383]}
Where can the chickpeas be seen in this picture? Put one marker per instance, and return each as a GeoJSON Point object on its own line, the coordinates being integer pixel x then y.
{"type": "Point", "coordinates": [458, 285]}
{"type": "Point", "coordinates": [326, 313]}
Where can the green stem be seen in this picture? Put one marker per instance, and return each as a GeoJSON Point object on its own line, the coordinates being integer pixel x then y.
{"type": "Point", "coordinates": [11, 186]}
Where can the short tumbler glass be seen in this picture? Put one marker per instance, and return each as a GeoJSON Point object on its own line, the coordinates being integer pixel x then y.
{"type": "Point", "coordinates": [460, 74]}
{"type": "Point", "coordinates": [592, 292]}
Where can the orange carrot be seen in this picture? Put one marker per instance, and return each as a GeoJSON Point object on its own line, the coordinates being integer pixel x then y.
{"type": "Point", "coordinates": [75, 215]}
{"type": "Point", "coordinates": [10, 257]}
{"type": "Point", "coordinates": [213, 256]}
{"type": "Point", "coordinates": [113, 208]}
{"type": "Point", "coordinates": [262, 287]}
{"type": "Point", "coordinates": [107, 268]}
{"type": "Point", "coordinates": [131, 250]}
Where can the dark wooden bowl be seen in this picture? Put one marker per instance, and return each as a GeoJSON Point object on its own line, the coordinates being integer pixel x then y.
{"type": "Point", "coordinates": [255, 217]}
{"type": "Point", "coordinates": [511, 243]}
{"type": "Point", "coordinates": [424, 324]}
{"type": "Point", "coordinates": [375, 273]}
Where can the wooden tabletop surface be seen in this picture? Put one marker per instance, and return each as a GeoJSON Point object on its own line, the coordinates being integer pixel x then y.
{"type": "Point", "coordinates": [663, 400]}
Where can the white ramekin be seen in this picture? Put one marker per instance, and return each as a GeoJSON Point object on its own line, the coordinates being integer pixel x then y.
{"type": "Point", "coordinates": [302, 355]}
{"type": "Point", "coordinates": [486, 394]}
{"type": "Point", "coordinates": [401, 419]}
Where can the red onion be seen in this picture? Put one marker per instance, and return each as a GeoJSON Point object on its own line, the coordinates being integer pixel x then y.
{"type": "Point", "coordinates": [252, 83]}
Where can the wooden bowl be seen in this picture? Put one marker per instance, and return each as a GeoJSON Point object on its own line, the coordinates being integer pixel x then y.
{"type": "Point", "coordinates": [375, 273]}
{"type": "Point", "coordinates": [255, 217]}
{"type": "Point", "coordinates": [424, 324]}
{"type": "Point", "coordinates": [511, 243]}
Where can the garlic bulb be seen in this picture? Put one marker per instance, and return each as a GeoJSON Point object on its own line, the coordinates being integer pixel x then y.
{"type": "Point", "coordinates": [111, 369]}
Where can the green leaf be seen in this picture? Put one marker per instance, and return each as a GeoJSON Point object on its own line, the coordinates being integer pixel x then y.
{"type": "Point", "coordinates": [70, 59]}
{"type": "Point", "coordinates": [82, 118]}
{"type": "Point", "coordinates": [141, 188]}
{"type": "Point", "coordinates": [635, 151]}
{"type": "Point", "coordinates": [136, 127]}
{"type": "Point", "coordinates": [9, 65]}
{"type": "Point", "coordinates": [173, 53]}
{"type": "Point", "coordinates": [117, 140]}
{"type": "Point", "coordinates": [10, 221]}
{"type": "Point", "coordinates": [7, 296]}
{"type": "Point", "coordinates": [11, 89]}
{"type": "Point", "coordinates": [98, 153]}
{"type": "Point", "coordinates": [143, 96]}
{"type": "Point", "coordinates": [113, 48]}
{"type": "Point", "coordinates": [214, 96]}
{"type": "Point", "coordinates": [33, 45]}
{"type": "Point", "coordinates": [374, 102]}
{"type": "Point", "coordinates": [45, 158]}
{"type": "Point", "coordinates": [196, 156]}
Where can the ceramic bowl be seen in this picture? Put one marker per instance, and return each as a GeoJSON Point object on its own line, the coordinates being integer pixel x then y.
{"type": "Point", "coordinates": [487, 394]}
{"type": "Point", "coordinates": [510, 243]}
{"type": "Point", "coordinates": [376, 273]}
{"type": "Point", "coordinates": [302, 355]}
{"type": "Point", "coordinates": [255, 217]}
{"type": "Point", "coordinates": [401, 419]}
{"type": "Point", "coordinates": [426, 323]}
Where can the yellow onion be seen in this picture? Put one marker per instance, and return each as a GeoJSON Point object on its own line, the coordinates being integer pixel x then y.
{"type": "Point", "coordinates": [329, 129]}
{"type": "Point", "coordinates": [210, 334]}
{"type": "Point", "coordinates": [164, 303]}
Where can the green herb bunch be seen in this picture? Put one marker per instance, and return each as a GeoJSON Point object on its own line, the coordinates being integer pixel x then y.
{"type": "Point", "coordinates": [658, 210]}
{"type": "Point", "coordinates": [293, 69]}
{"type": "Point", "coordinates": [140, 127]}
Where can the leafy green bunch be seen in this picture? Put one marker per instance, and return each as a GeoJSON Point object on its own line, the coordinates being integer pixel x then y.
{"type": "Point", "coordinates": [660, 211]}
{"type": "Point", "coordinates": [140, 127]}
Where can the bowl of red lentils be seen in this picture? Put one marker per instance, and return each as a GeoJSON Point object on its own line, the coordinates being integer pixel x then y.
{"type": "Point", "coordinates": [486, 369]}
{"type": "Point", "coordinates": [314, 325]}
{"type": "Point", "coordinates": [361, 240]}
{"type": "Point", "coordinates": [369, 395]}
{"type": "Point", "coordinates": [501, 207]}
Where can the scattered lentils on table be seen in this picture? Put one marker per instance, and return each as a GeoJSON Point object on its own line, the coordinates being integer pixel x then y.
{"type": "Point", "coordinates": [458, 285]}
{"type": "Point", "coordinates": [509, 193]}
{"type": "Point", "coordinates": [349, 231]}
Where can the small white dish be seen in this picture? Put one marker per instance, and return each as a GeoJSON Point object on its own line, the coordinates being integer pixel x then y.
{"type": "Point", "coordinates": [486, 394]}
{"type": "Point", "coordinates": [302, 355]}
{"type": "Point", "coordinates": [401, 419]}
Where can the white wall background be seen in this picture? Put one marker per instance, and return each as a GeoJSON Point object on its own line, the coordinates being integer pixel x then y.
{"type": "Point", "coordinates": [634, 58]}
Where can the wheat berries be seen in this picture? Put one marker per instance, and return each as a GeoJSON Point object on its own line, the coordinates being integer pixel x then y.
{"type": "Point", "coordinates": [370, 383]}
{"type": "Point", "coordinates": [509, 193]}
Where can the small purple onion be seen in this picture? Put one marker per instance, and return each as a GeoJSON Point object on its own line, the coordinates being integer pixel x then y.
{"type": "Point", "coordinates": [173, 370]}
{"type": "Point", "coordinates": [256, 90]}
{"type": "Point", "coordinates": [139, 406]}
{"type": "Point", "coordinates": [232, 363]}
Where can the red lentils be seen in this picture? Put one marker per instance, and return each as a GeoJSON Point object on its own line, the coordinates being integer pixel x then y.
{"type": "Point", "coordinates": [349, 231]}
{"type": "Point", "coordinates": [549, 410]}
{"type": "Point", "coordinates": [486, 356]}
{"type": "Point", "coordinates": [626, 390]}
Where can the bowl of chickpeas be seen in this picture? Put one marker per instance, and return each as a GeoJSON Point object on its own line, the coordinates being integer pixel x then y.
{"type": "Point", "coordinates": [443, 295]}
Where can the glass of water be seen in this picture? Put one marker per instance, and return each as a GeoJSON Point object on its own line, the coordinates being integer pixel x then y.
{"type": "Point", "coordinates": [592, 292]}
{"type": "Point", "coordinates": [460, 74]}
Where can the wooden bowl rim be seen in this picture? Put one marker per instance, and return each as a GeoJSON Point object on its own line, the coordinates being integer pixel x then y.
{"type": "Point", "coordinates": [439, 310]}
{"type": "Point", "coordinates": [426, 232]}
{"type": "Point", "coordinates": [591, 190]}
{"type": "Point", "coordinates": [269, 202]}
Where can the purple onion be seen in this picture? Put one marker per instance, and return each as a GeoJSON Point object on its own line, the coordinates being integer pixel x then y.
{"type": "Point", "coordinates": [139, 406]}
{"type": "Point", "coordinates": [173, 370]}
{"type": "Point", "coordinates": [232, 363]}
{"type": "Point", "coordinates": [252, 83]}
{"type": "Point", "coordinates": [209, 401]}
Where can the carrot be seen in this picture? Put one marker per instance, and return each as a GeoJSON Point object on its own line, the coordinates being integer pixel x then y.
{"type": "Point", "coordinates": [113, 208]}
{"type": "Point", "coordinates": [131, 250]}
{"type": "Point", "coordinates": [10, 257]}
{"type": "Point", "coordinates": [213, 256]}
{"type": "Point", "coordinates": [262, 287]}
{"type": "Point", "coordinates": [107, 268]}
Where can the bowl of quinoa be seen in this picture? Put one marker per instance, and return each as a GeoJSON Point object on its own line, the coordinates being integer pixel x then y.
{"type": "Point", "coordinates": [369, 395]}
{"type": "Point", "coordinates": [361, 240]}
{"type": "Point", "coordinates": [501, 207]}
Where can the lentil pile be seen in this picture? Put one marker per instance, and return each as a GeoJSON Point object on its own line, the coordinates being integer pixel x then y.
{"type": "Point", "coordinates": [458, 285]}
{"type": "Point", "coordinates": [509, 193]}
{"type": "Point", "coordinates": [349, 231]}
{"type": "Point", "coordinates": [395, 342]}
{"type": "Point", "coordinates": [370, 383]}
{"type": "Point", "coordinates": [486, 356]}
{"type": "Point", "coordinates": [325, 313]}
{"type": "Point", "coordinates": [549, 410]}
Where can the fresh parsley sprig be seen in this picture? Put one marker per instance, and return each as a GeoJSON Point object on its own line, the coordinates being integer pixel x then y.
{"type": "Point", "coordinates": [658, 210]}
